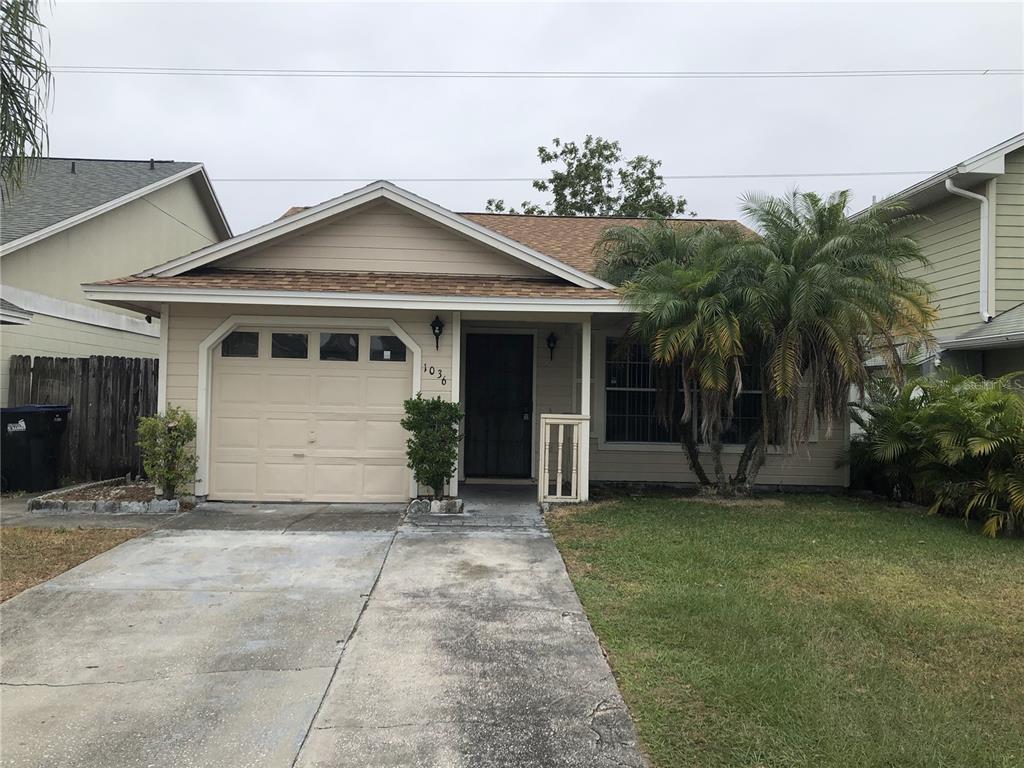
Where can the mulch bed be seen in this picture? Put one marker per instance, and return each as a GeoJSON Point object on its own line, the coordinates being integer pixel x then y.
{"type": "Point", "coordinates": [130, 492]}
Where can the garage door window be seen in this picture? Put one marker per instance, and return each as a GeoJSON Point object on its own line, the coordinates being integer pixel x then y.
{"type": "Point", "coordinates": [294, 346]}
{"type": "Point", "coordinates": [339, 346]}
{"type": "Point", "coordinates": [387, 348]}
{"type": "Point", "coordinates": [241, 344]}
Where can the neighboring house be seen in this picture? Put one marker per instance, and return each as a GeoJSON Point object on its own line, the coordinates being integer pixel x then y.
{"type": "Point", "coordinates": [75, 221]}
{"type": "Point", "coordinates": [296, 344]}
{"type": "Point", "coordinates": [972, 232]}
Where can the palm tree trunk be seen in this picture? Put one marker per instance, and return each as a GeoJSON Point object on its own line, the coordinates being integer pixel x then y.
{"type": "Point", "coordinates": [693, 456]}
{"type": "Point", "coordinates": [739, 480]}
{"type": "Point", "coordinates": [716, 457]}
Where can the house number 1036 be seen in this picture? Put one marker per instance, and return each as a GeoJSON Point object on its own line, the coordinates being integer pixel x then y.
{"type": "Point", "coordinates": [437, 373]}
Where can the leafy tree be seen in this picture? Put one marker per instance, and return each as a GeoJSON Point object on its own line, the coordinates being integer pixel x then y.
{"type": "Point", "coordinates": [812, 295]}
{"type": "Point", "coordinates": [24, 89]}
{"type": "Point", "coordinates": [433, 444]}
{"type": "Point", "coordinates": [595, 181]}
{"type": "Point", "coordinates": [165, 443]}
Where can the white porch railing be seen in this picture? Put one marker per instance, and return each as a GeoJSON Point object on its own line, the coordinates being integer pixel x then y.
{"type": "Point", "coordinates": [564, 473]}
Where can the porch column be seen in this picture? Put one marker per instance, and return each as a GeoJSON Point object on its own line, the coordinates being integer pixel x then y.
{"type": "Point", "coordinates": [585, 387]}
{"type": "Point", "coordinates": [456, 374]}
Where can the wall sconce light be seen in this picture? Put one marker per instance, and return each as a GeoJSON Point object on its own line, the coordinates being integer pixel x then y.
{"type": "Point", "coordinates": [437, 327]}
{"type": "Point", "coordinates": [552, 343]}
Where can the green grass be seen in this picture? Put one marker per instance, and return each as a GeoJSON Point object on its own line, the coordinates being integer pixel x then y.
{"type": "Point", "coordinates": [805, 631]}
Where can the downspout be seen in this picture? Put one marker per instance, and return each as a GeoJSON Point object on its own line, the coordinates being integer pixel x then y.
{"type": "Point", "coordinates": [983, 267]}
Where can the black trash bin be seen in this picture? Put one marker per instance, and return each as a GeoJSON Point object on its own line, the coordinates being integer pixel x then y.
{"type": "Point", "coordinates": [30, 446]}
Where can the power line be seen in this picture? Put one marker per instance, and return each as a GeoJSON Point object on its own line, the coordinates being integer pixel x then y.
{"type": "Point", "coordinates": [473, 179]}
{"type": "Point", "coordinates": [530, 74]}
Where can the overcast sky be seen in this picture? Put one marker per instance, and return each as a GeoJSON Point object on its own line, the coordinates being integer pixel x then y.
{"type": "Point", "coordinates": [401, 128]}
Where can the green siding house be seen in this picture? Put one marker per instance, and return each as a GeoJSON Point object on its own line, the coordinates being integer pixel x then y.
{"type": "Point", "coordinates": [972, 231]}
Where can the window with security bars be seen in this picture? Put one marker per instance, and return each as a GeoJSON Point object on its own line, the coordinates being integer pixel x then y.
{"type": "Point", "coordinates": [631, 395]}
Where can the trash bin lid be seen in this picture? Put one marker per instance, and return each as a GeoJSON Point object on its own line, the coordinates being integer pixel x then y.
{"type": "Point", "coordinates": [25, 409]}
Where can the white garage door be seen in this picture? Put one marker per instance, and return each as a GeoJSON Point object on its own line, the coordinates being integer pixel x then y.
{"type": "Point", "coordinates": [309, 416]}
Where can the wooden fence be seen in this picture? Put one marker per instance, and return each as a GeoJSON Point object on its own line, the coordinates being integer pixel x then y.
{"type": "Point", "coordinates": [107, 396]}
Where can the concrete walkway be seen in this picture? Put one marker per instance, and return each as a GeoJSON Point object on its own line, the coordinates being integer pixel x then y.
{"type": "Point", "coordinates": [314, 636]}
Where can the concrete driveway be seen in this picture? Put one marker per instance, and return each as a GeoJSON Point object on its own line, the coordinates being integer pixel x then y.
{"type": "Point", "coordinates": [313, 636]}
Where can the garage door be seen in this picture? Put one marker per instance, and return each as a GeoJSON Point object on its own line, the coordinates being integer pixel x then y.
{"type": "Point", "coordinates": [309, 416]}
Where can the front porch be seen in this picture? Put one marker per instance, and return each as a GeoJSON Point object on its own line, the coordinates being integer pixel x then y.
{"type": "Point", "coordinates": [527, 410]}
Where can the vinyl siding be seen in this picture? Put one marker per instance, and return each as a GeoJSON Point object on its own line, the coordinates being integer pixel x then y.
{"type": "Point", "coordinates": [556, 390]}
{"type": "Point", "coordinates": [949, 237]}
{"type": "Point", "coordinates": [1009, 261]}
{"type": "Point", "coordinates": [818, 464]}
{"type": "Point", "coordinates": [165, 224]}
{"type": "Point", "coordinates": [55, 337]}
{"type": "Point", "coordinates": [190, 324]}
{"type": "Point", "coordinates": [380, 237]}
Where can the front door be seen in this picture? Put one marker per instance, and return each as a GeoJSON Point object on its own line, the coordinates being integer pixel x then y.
{"type": "Point", "coordinates": [499, 405]}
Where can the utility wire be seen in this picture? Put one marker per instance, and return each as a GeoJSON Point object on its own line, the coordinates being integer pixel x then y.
{"type": "Point", "coordinates": [530, 74]}
{"type": "Point", "coordinates": [466, 179]}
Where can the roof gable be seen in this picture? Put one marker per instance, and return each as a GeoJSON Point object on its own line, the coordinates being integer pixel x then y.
{"type": "Point", "coordinates": [380, 236]}
{"type": "Point", "coordinates": [58, 193]}
{"type": "Point", "coordinates": [378, 191]}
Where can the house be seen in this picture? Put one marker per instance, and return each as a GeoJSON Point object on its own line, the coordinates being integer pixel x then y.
{"type": "Point", "coordinates": [75, 221]}
{"type": "Point", "coordinates": [295, 345]}
{"type": "Point", "coordinates": [972, 232]}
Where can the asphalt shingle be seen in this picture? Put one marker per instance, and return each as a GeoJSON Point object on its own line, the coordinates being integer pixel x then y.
{"type": "Point", "coordinates": [51, 193]}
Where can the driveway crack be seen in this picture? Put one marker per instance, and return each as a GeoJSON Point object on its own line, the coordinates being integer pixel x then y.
{"type": "Point", "coordinates": [344, 648]}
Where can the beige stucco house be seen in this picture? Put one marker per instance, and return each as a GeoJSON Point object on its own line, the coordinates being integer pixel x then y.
{"type": "Point", "coordinates": [295, 345]}
{"type": "Point", "coordinates": [75, 221]}
{"type": "Point", "coordinates": [972, 232]}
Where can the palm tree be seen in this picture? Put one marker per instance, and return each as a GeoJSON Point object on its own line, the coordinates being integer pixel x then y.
{"type": "Point", "coordinates": [813, 295]}
{"type": "Point", "coordinates": [24, 89]}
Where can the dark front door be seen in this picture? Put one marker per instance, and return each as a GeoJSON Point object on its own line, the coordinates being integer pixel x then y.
{"type": "Point", "coordinates": [499, 405]}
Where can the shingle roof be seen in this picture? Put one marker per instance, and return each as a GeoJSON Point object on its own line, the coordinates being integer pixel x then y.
{"type": "Point", "coordinates": [1007, 323]}
{"type": "Point", "coordinates": [415, 284]}
{"type": "Point", "coordinates": [570, 239]}
{"type": "Point", "coordinates": [51, 193]}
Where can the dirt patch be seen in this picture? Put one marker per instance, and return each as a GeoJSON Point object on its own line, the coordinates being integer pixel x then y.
{"type": "Point", "coordinates": [129, 492]}
{"type": "Point", "coordinates": [34, 555]}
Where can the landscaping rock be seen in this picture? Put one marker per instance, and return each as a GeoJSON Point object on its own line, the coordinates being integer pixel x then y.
{"type": "Point", "coordinates": [436, 507]}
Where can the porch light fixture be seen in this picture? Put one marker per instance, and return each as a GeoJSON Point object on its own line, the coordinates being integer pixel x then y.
{"type": "Point", "coordinates": [437, 327]}
{"type": "Point", "coordinates": [552, 343]}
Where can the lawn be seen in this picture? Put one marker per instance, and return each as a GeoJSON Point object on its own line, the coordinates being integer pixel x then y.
{"type": "Point", "coordinates": [31, 555]}
{"type": "Point", "coordinates": [805, 631]}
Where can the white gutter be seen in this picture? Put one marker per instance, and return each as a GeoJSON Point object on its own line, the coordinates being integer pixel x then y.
{"type": "Point", "coordinates": [983, 267]}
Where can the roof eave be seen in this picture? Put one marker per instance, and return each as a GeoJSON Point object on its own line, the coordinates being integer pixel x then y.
{"type": "Point", "coordinates": [122, 295]}
{"type": "Point", "coordinates": [351, 200]}
{"type": "Point", "coordinates": [969, 173]}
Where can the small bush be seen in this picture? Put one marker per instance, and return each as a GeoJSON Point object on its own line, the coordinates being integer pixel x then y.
{"type": "Point", "coordinates": [167, 457]}
{"type": "Point", "coordinates": [433, 444]}
{"type": "Point", "coordinates": [954, 443]}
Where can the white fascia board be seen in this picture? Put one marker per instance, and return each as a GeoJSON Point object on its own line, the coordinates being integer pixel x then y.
{"type": "Point", "coordinates": [337, 299]}
{"type": "Point", "coordinates": [378, 190]}
{"type": "Point", "coordinates": [984, 342]}
{"type": "Point", "coordinates": [990, 163]}
{"type": "Point", "coordinates": [92, 213]}
{"type": "Point", "coordinates": [212, 194]}
{"type": "Point", "coordinates": [49, 306]}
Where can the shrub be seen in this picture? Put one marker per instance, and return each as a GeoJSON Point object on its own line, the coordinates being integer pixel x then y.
{"type": "Point", "coordinates": [167, 457]}
{"type": "Point", "coordinates": [433, 444]}
{"type": "Point", "coordinates": [955, 443]}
